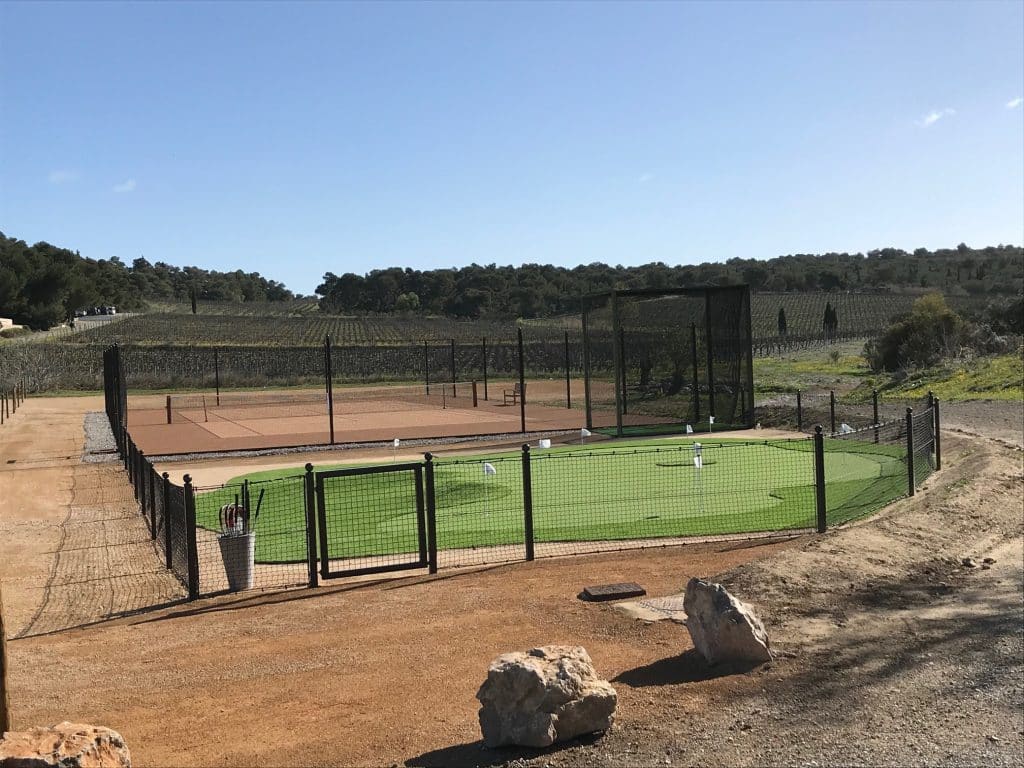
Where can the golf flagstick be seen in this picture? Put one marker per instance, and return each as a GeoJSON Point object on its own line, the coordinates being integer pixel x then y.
{"type": "Point", "coordinates": [489, 471]}
{"type": "Point", "coordinates": [394, 451]}
{"type": "Point", "coordinates": [698, 464]}
{"type": "Point", "coordinates": [584, 434]}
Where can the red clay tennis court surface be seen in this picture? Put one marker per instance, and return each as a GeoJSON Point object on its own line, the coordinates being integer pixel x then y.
{"type": "Point", "coordinates": [361, 415]}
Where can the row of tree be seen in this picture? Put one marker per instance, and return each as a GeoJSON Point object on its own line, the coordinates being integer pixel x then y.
{"type": "Point", "coordinates": [537, 290]}
{"type": "Point", "coordinates": [42, 285]}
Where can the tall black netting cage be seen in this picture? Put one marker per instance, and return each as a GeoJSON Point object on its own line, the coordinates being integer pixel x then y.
{"type": "Point", "coordinates": [657, 360]}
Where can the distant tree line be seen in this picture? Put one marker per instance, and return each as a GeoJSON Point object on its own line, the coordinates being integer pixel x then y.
{"type": "Point", "coordinates": [536, 290]}
{"type": "Point", "coordinates": [42, 285]}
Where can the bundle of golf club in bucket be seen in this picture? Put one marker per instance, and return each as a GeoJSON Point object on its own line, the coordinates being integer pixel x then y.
{"type": "Point", "coordinates": [237, 540]}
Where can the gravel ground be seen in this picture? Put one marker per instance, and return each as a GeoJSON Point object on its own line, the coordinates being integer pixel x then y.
{"type": "Point", "coordinates": [100, 446]}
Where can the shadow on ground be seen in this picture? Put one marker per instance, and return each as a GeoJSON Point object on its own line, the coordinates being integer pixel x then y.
{"type": "Point", "coordinates": [475, 755]}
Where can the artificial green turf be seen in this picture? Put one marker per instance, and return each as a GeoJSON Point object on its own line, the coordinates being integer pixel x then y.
{"type": "Point", "coordinates": [643, 489]}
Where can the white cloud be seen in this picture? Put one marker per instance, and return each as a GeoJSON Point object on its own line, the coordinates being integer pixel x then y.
{"type": "Point", "coordinates": [128, 185]}
{"type": "Point", "coordinates": [934, 116]}
{"type": "Point", "coordinates": [1014, 103]}
{"type": "Point", "coordinates": [645, 177]}
{"type": "Point", "coordinates": [62, 176]}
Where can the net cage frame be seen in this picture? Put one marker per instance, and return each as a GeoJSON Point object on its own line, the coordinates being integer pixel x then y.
{"type": "Point", "coordinates": [716, 345]}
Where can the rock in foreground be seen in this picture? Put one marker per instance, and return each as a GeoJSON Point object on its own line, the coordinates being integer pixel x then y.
{"type": "Point", "coordinates": [546, 695]}
{"type": "Point", "coordinates": [723, 628]}
{"type": "Point", "coordinates": [68, 745]}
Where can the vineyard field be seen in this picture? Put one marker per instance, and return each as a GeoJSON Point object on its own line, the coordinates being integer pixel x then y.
{"type": "Point", "coordinates": [298, 323]}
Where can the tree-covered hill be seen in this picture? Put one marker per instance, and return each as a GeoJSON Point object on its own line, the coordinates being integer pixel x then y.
{"type": "Point", "coordinates": [535, 290]}
{"type": "Point", "coordinates": [42, 285]}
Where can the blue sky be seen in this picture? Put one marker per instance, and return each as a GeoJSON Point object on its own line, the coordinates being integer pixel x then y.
{"type": "Point", "coordinates": [294, 139]}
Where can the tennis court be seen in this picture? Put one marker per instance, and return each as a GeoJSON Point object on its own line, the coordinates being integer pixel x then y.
{"type": "Point", "coordinates": [264, 419]}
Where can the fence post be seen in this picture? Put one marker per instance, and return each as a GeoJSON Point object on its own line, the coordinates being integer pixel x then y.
{"type": "Point", "coordinates": [428, 474]}
{"type": "Point", "coordinates": [167, 520]}
{"type": "Point", "coordinates": [568, 387]}
{"type": "Point", "coordinates": [937, 437]}
{"type": "Point", "coordinates": [709, 343]}
{"type": "Point", "coordinates": [476, 401]}
{"type": "Point", "coordinates": [586, 370]}
{"type": "Point", "coordinates": [527, 502]}
{"type": "Point", "coordinates": [151, 496]}
{"type": "Point", "coordinates": [216, 374]}
{"type": "Point", "coordinates": [799, 413]}
{"type": "Point", "coordinates": [3, 403]}
{"type": "Point", "coordinates": [874, 411]}
{"type": "Point", "coordinates": [522, 381]}
{"type": "Point", "coordinates": [140, 492]}
{"type": "Point", "coordinates": [329, 375]}
{"type": "Point", "coordinates": [910, 452]}
{"type": "Point", "coordinates": [484, 347]}
{"type": "Point", "coordinates": [696, 381]}
{"type": "Point", "coordinates": [310, 504]}
{"type": "Point", "coordinates": [190, 539]}
{"type": "Point", "coordinates": [832, 409]}
{"type": "Point", "coordinates": [426, 365]}
{"type": "Point", "coordinates": [622, 369]}
{"type": "Point", "coordinates": [5, 696]}
{"type": "Point", "coordinates": [931, 398]}
{"type": "Point", "coordinates": [819, 479]}
{"type": "Point", "coordinates": [168, 406]}
{"type": "Point", "coordinates": [453, 366]}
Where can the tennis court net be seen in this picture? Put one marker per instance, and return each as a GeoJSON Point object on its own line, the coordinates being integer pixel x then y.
{"type": "Point", "coordinates": [244, 406]}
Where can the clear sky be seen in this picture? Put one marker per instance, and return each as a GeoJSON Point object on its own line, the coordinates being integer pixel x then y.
{"type": "Point", "coordinates": [294, 139]}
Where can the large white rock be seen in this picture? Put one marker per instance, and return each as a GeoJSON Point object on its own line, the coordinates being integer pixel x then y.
{"type": "Point", "coordinates": [67, 745]}
{"type": "Point", "coordinates": [546, 695]}
{"type": "Point", "coordinates": [722, 627]}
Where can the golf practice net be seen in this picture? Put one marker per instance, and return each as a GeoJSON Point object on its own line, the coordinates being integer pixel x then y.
{"type": "Point", "coordinates": [244, 406]}
{"type": "Point", "coordinates": [672, 357]}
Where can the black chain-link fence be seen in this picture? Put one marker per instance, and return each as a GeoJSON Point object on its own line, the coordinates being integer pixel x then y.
{"type": "Point", "coordinates": [272, 532]}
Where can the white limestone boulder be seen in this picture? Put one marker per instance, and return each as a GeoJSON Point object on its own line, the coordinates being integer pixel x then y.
{"type": "Point", "coordinates": [723, 628]}
{"type": "Point", "coordinates": [546, 695]}
{"type": "Point", "coordinates": [67, 745]}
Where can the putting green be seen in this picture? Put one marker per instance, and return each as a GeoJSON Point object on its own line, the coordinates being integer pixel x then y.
{"type": "Point", "coordinates": [648, 489]}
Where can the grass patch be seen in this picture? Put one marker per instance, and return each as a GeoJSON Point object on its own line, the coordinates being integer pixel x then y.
{"type": "Point", "coordinates": [999, 377]}
{"type": "Point", "coordinates": [641, 489]}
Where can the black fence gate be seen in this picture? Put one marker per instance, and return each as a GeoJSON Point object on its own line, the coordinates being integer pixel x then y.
{"type": "Point", "coordinates": [372, 520]}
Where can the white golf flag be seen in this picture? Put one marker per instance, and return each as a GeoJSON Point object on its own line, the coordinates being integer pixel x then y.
{"type": "Point", "coordinates": [711, 419]}
{"type": "Point", "coordinates": [397, 441]}
{"type": "Point", "coordinates": [544, 443]}
{"type": "Point", "coordinates": [584, 432]}
{"type": "Point", "coordinates": [489, 469]}
{"type": "Point", "coordinates": [845, 429]}
{"type": "Point", "coordinates": [689, 429]}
